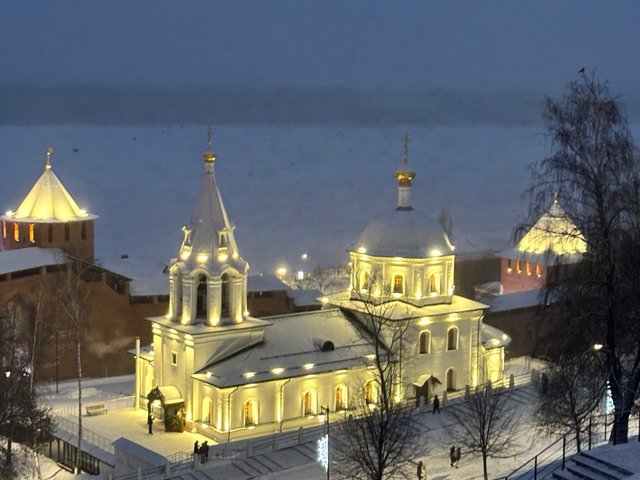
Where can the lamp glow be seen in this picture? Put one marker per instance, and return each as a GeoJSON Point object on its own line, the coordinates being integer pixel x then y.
{"type": "Point", "coordinates": [222, 257]}
{"type": "Point", "coordinates": [362, 250]}
{"type": "Point", "coordinates": [277, 370]}
{"type": "Point", "coordinates": [249, 374]}
{"type": "Point", "coordinates": [308, 366]}
{"type": "Point", "coordinates": [201, 258]}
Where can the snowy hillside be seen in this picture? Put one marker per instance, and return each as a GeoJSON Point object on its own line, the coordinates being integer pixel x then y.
{"type": "Point", "coordinates": [289, 190]}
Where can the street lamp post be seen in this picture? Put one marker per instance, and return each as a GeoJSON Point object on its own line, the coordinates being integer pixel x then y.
{"type": "Point", "coordinates": [325, 411]}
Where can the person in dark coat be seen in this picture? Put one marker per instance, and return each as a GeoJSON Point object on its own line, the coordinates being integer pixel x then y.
{"type": "Point", "coordinates": [421, 471]}
{"type": "Point", "coordinates": [452, 454]}
{"type": "Point", "coordinates": [436, 405]}
{"type": "Point", "coordinates": [205, 446]}
{"type": "Point", "coordinates": [150, 423]}
{"type": "Point", "coordinates": [195, 448]}
{"type": "Point", "coordinates": [458, 455]}
{"type": "Point", "coordinates": [201, 451]}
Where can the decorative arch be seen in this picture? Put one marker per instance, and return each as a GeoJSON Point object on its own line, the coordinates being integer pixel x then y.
{"type": "Point", "coordinates": [424, 342]}
{"type": "Point", "coordinates": [450, 380]}
{"type": "Point", "coordinates": [309, 403]}
{"type": "Point", "coordinates": [433, 284]}
{"type": "Point", "coordinates": [207, 411]}
{"type": "Point", "coordinates": [341, 400]}
{"type": "Point", "coordinates": [452, 338]}
{"type": "Point", "coordinates": [225, 295]}
{"type": "Point", "coordinates": [250, 413]}
{"type": "Point", "coordinates": [371, 393]}
{"type": "Point", "coordinates": [202, 295]}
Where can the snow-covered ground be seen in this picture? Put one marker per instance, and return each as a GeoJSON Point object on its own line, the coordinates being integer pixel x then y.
{"type": "Point", "coordinates": [289, 190]}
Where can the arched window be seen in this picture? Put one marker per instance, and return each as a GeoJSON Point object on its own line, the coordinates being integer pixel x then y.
{"type": "Point", "coordinates": [370, 393]}
{"type": "Point", "coordinates": [309, 403]}
{"type": "Point", "coordinates": [538, 270]}
{"type": "Point", "coordinates": [16, 232]}
{"type": "Point", "coordinates": [201, 304]}
{"type": "Point", "coordinates": [425, 342]}
{"type": "Point", "coordinates": [527, 268]}
{"type": "Point", "coordinates": [451, 385]}
{"type": "Point", "coordinates": [250, 413]}
{"type": "Point", "coordinates": [518, 269]}
{"type": "Point", "coordinates": [341, 398]}
{"type": "Point", "coordinates": [365, 281]}
{"type": "Point", "coordinates": [433, 284]}
{"type": "Point", "coordinates": [398, 284]}
{"type": "Point", "coordinates": [207, 411]}
{"type": "Point", "coordinates": [224, 296]}
{"type": "Point", "coordinates": [177, 292]}
{"type": "Point", "coordinates": [67, 232]}
{"type": "Point", "coordinates": [452, 338]}
{"type": "Point", "coordinates": [32, 233]}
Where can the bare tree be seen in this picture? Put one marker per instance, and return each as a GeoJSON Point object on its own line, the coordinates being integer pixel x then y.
{"type": "Point", "coordinates": [595, 171]}
{"type": "Point", "coordinates": [20, 416]}
{"type": "Point", "coordinates": [575, 388]}
{"type": "Point", "coordinates": [380, 440]}
{"type": "Point", "coordinates": [486, 424]}
{"type": "Point", "coordinates": [74, 302]}
{"type": "Point", "coordinates": [327, 279]}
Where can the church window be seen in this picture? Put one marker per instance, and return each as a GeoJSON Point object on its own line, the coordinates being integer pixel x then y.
{"type": "Point", "coordinates": [425, 342]}
{"type": "Point", "coordinates": [50, 233]}
{"type": "Point", "coordinates": [177, 293]}
{"type": "Point", "coordinates": [434, 284]}
{"type": "Point", "coordinates": [309, 404]}
{"type": "Point", "coordinates": [250, 413]}
{"type": "Point", "coordinates": [207, 411]}
{"type": "Point", "coordinates": [365, 280]}
{"type": "Point", "coordinates": [83, 230]}
{"type": "Point", "coordinates": [370, 393]}
{"type": "Point", "coordinates": [16, 232]}
{"type": "Point", "coordinates": [398, 284]}
{"type": "Point", "coordinates": [450, 380]}
{"type": "Point", "coordinates": [452, 338]}
{"type": "Point", "coordinates": [67, 232]}
{"type": "Point", "coordinates": [201, 307]}
{"type": "Point", "coordinates": [341, 398]}
{"type": "Point", "coordinates": [4, 229]}
{"type": "Point", "coordinates": [224, 297]}
{"type": "Point", "coordinates": [32, 233]}
{"type": "Point", "coordinates": [174, 359]}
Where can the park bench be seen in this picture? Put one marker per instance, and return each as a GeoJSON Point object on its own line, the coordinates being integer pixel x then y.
{"type": "Point", "coordinates": [96, 409]}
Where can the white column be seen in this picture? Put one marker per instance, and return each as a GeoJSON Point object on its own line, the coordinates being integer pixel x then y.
{"type": "Point", "coordinates": [138, 381]}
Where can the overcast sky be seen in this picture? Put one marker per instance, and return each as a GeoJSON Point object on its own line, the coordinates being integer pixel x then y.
{"type": "Point", "coordinates": [472, 45]}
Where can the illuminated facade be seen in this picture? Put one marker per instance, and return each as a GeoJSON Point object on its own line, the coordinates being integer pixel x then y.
{"type": "Point", "coordinates": [554, 241]}
{"type": "Point", "coordinates": [48, 217]}
{"type": "Point", "coordinates": [232, 375]}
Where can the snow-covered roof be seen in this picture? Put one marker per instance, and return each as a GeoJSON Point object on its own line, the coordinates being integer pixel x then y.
{"type": "Point", "coordinates": [403, 233]}
{"type": "Point", "coordinates": [293, 343]}
{"type": "Point", "coordinates": [48, 201]}
{"type": "Point", "coordinates": [397, 309]}
{"type": "Point", "coordinates": [305, 298]}
{"type": "Point", "coordinates": [30, 257]}
{"type": "Point", "coordinates": [265, 283]}
{"type": "Point", "coordinates": [493, 337]}
{"type": "Point", "coordinates": [513, 301]}
{"type": "Point", "coordinates": [554, 232]}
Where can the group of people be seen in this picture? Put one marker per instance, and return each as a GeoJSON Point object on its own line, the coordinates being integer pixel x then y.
{"type": "Point", "coordinates": [201, 451]}
{"type": "Point", "coordinates": [454, 455]}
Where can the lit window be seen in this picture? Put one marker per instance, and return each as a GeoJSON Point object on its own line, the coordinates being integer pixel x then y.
{"type": "Point", "coordinates": [518, 269]}
{"type": "Point", "coordinates": [370, 393]}
{"type": "Point", "coordinates": [452, 339]}
{"type": "Point", "coordinates": [16, 232]}
{"type": "Point", "coordinates": [4, 229]}
{"type": "Point", "coordinates": [433, 284]}
{"type": "Point", "coordinates": [425, 342]}
{"type": "Point", "coordinates": [398, 284]}
{"type": "Point", "coordinates": [508, 265]}
{"type": "Point", "coordinates": [174, 359]}
{"type": "Point", "coordinates": [365, 281]}
{"type": "Point", "coordinates": [32, 233]}
{"type": "Point", "coordinates": [450, 380]}
{"type": "Point", "coordinates": [527, 268]}
{"type": "Point", "coordinates": [538, 270]}
{"type": "Point", "coordinates": [341, 398]}
{"type": "Point", "coordinates": [309, 407]}
{"type": "Point", "coordinates": [250, 413]}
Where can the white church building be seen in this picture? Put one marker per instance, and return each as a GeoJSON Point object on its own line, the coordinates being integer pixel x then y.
{"type": "Point", "coordinates": [214, 369]}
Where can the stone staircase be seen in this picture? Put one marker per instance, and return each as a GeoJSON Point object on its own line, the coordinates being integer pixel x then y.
{"type": "Point", "coordinates": [584, 466]}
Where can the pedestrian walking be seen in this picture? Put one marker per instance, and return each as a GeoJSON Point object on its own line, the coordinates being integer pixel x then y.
{"type": "Point", "coordinates": [196, 446]}
{"type": "Point", "coordinates": [206, 450]}
{"type": "Point", "coordinates": [436, 405]}
{"type": "Point", "coordinates": [452, 455]}
{"type": "Point", "coordinates": [150, 423]}
{"type": "Point", "coordinates": [202, 453]}
{"type": "Point", "coordinates": [458, 455]}
{"type": "Point", "coordinates": [421, 471]}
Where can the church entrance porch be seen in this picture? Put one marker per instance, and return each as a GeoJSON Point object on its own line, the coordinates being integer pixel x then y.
{"type": "Point", "coordinates": [424, 388]}
{"type": "Point", "coordinates": [166, 403]}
